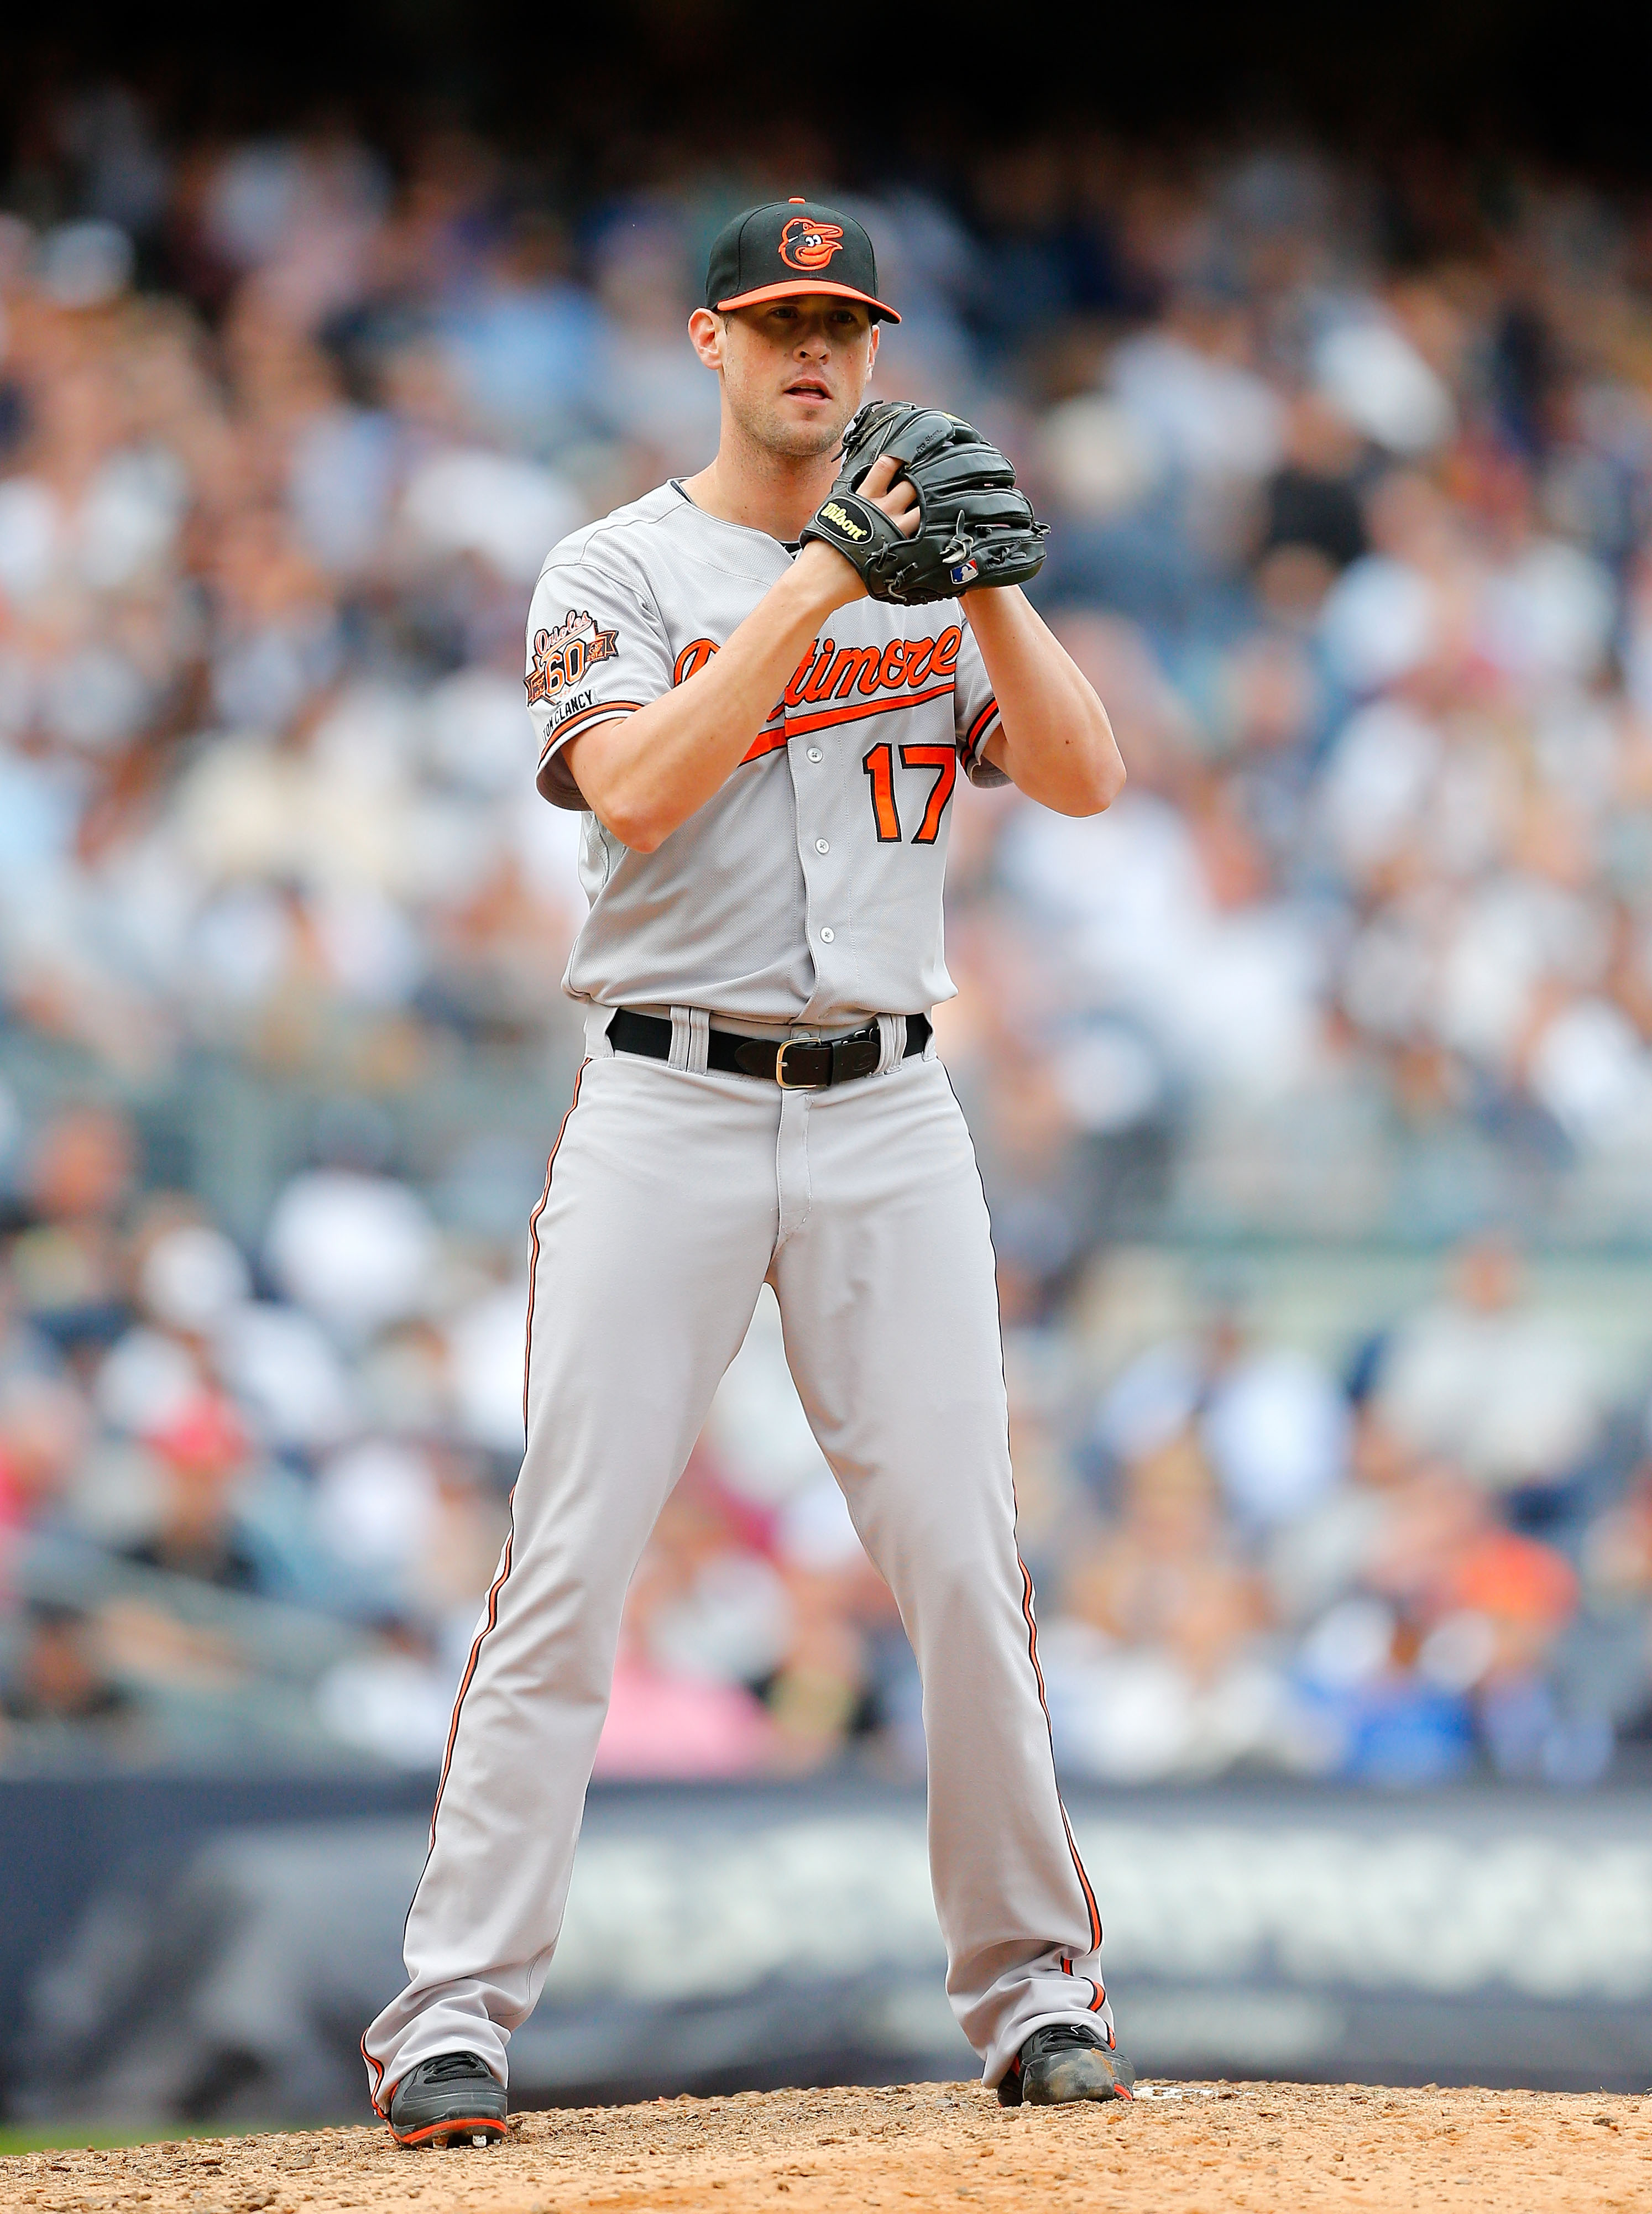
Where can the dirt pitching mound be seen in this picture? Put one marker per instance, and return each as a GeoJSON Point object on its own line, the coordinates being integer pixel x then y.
{"type": "Point", "coordinates": [1259, 2147]}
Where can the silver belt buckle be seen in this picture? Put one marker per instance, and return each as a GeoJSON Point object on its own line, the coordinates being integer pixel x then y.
{"type": "Point", "coordinates": [780, 1066]}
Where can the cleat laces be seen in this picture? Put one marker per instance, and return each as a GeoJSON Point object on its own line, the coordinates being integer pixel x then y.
{"type": "Point", "coordinates": [450, 2067]}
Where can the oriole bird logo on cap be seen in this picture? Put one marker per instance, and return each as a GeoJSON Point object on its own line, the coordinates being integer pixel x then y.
{"type": "Point", "coordinates": [806, 245]}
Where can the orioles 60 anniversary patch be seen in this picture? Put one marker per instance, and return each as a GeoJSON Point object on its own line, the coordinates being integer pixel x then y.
{"type": "Point", "coordinates": [562, 656]}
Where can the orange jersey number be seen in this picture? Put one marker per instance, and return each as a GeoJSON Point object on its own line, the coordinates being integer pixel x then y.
{"type": "Point", "coordinates": [943, 760]}
{"type": "Point", "coordinates": [879, 765]}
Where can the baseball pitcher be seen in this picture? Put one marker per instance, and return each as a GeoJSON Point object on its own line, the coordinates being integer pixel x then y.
{"type": "Point", "coordinates": [758, 685]}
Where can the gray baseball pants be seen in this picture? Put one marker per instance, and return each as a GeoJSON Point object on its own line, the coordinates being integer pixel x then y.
{"type": "Point", "coordinates": [672, 1196]}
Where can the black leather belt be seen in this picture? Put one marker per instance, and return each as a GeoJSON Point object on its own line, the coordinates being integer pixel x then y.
{"type": "Point", "coordinates": [795, 1064]}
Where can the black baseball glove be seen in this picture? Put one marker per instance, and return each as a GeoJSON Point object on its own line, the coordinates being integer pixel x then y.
{"type": "Point", "coordinates": [976, 528]}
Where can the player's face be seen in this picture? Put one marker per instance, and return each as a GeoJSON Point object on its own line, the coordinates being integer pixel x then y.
{"type": "Point", "coordinates": [795, 370]}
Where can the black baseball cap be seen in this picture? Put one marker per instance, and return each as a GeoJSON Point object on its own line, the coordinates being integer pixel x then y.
{"type": "Point", "coordinates": [788, 248]}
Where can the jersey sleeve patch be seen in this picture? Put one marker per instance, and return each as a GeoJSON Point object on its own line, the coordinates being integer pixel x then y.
{"type": "Point", "coordinates": [561, 656]}
{"type": "Point", "coordinates": [596, 653]}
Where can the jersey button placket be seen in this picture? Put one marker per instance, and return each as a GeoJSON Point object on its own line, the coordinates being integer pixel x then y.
{"type": "Point", "coordinates": [821, 849]}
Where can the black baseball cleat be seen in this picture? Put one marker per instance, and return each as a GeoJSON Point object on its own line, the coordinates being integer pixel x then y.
{"type": "Point", "coordinates": [1063, 2061]}
{"type": "Point", "coordinates": [454, 2100]}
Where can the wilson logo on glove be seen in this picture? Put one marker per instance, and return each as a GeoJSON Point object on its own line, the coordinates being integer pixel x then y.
{"type": "Point", "coordinates": [845, 522]}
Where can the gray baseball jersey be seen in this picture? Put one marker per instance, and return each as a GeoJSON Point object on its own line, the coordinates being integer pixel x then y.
{"type": "Point", "coordinates": [808, 889]}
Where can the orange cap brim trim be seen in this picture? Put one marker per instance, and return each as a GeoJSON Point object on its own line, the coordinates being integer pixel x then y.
{"type": "Point", "coordinates": [802, 290]}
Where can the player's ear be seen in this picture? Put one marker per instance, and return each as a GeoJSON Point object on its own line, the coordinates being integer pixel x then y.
{"type": "Point", "coordinates": [707, 332]}
{"type": "Point", "coordinates": [871, 348]}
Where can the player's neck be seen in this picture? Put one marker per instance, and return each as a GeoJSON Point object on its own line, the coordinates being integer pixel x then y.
{"type": "Point", "coordinates": [749, 485]}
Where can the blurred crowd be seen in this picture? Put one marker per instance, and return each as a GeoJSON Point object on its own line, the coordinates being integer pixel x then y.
{"type": "Point", "coordinates": [1350, 480]}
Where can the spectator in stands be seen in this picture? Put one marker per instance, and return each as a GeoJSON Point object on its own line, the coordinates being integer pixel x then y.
{"type": "Point", "coordinates": [58, 1677]}
{"type": "Point", "coordinates": [1482, 1377]}
{"type": "Point", "coordinates": [201, 1451]}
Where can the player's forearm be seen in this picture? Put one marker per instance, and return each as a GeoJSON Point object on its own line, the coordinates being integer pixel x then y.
{"type": "Point", "coordinates": [1054, 740]}
{"type": "Point", "coordinates": [645, 775]}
